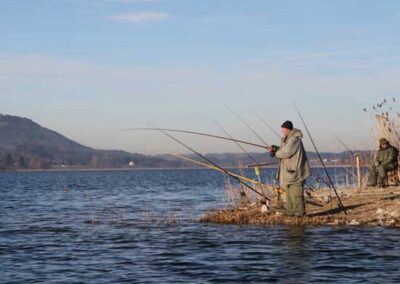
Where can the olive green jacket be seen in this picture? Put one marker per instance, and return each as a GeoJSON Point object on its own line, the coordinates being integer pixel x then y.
{"type": "Point", "coordinates": [293, 162]}
{"type": "Point", "coordinates": [387, 157]}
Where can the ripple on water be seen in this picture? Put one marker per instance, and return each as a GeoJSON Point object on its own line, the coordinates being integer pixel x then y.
{"type": "Point", "coordinates": [47, 235]}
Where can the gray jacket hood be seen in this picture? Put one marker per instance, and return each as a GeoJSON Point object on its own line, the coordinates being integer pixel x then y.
{"type": "Point", "coordinates": [295, 133]}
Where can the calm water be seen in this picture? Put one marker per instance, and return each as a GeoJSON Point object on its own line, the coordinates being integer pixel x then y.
{"type": "Point", "coordinates": [47, 235]}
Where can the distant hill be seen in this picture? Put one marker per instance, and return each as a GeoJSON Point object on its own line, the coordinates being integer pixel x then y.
{"type": "Point", "coordinates": [25, 144]}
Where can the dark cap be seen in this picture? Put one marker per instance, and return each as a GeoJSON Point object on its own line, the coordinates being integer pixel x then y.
{"type": "Point", "coordinates": [287, 124]}
{"type": "Point", "coordinates": [383, 141]}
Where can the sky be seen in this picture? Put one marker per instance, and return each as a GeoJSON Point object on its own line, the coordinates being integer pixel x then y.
{"type": "Point", "coordinates": [88, 68]}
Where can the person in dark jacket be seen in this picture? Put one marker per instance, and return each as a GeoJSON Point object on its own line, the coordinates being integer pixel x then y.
{"type": "Point", "coordinates": [293, 168]}
{"type": "Point", "coordinates": [386, 160]}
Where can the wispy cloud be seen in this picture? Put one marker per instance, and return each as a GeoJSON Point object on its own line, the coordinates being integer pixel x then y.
{"type": "Point", "coordinates": [140, 18]}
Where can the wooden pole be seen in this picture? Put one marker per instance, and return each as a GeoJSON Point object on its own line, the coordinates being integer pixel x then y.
{"type": "Point", "coordinates": [358, 161]}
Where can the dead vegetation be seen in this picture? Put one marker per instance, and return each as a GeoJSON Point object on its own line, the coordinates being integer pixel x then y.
{"type": "Point", "coordinates": [375, 207]}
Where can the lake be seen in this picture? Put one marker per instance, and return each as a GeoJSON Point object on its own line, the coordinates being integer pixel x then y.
{"type": "Point", "coordinates": [141, 227]}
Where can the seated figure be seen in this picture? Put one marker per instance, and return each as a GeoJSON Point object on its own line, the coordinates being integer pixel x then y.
{"type": "Point", "coordinates": [386, 160]}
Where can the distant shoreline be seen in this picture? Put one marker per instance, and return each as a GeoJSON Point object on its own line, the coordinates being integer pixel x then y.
{"type": "Point", "coordinates": [144, 169]}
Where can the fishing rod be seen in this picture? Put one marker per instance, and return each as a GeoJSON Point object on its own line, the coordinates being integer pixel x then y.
{"type": "Point", "coordinates": [256, 169]}
{"type": "Point", "coordinates": [214, 164]}
{"type": "Point", "coordinates": [209, 166]}
{"type": "Point", "coordinates": [193, 132]}
{"type": "Point", "coordinates": [237, 143]}
{"type": "Point", "coordinates": [249, 127]}
{"type": "Point", "coordinates": [345, 146]}
{"type": "Point", "coordinates": [356, 156]}
{"type": "Point", "coordinates": [320, 158]}
{"type": "Point", "coordinates": [268, 125]}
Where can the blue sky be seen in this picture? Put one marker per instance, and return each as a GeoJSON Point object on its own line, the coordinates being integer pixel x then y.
{"type": "Point", "coordinates": [87, 68]}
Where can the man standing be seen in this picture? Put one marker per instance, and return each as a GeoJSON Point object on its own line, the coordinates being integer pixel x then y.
{"type": "Point", "coordinates": [293, 169]}
{"type": "Point", "coordinates": [386, 160]}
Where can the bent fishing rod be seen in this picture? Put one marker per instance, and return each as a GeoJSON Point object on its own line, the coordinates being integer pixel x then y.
{"type": "Point", "coordinates": [320, 159]}
{"type": "Point", "coordinates": [256, 163]}
{"type": "Point", "coordinates": [201, 134]}
{"type": "Point", "coordinates": [195, 133]}
{"type": "Point", "coordinates": [214, 164]}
